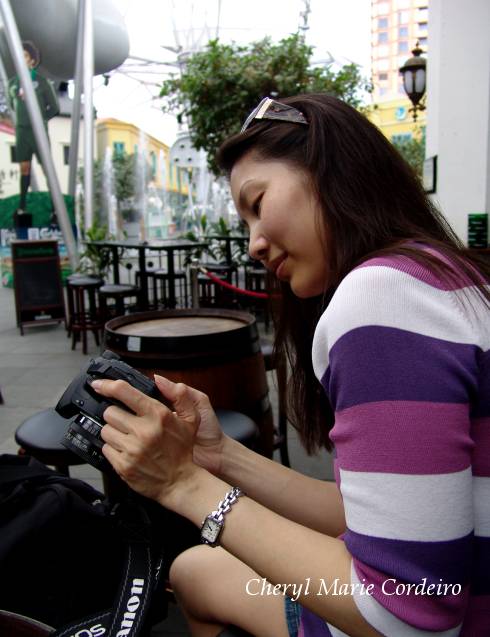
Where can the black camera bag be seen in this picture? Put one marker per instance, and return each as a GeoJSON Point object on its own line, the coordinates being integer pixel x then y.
{"type": "Point", "coordinates": [71, 559]}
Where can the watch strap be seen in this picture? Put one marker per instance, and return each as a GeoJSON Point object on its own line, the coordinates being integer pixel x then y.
{"type": "Point", "coordinates": [224, 507]}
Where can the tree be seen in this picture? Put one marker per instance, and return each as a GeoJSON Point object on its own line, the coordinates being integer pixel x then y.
{"type": "Point", "coordinates": [413, 150]}
{"type": "Point", "coordinates": [220, 85]}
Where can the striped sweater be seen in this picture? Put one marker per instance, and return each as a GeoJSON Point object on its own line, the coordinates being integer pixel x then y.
{"type": "Point", "coordinates": [405, 360]}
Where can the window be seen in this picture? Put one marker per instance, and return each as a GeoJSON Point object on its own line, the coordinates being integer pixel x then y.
{"type": "Point", "coordinates": [383, 65]}
{"type": "Point", "coordinates": [118, 148]}
{"type": "Point", "coordinates": [153, 160]}
{"type": "Point", "coordinates": [402, 4]}
{"type": "Point", "coordinates": [422, 15]}
{"type": "Point", "coordinates": [382, 91]}
{"type": "Point", "coordinates": [423, 27]}
{"type": "Point", "coordinates": [383, 37]}
{"type": "Point", "coordinates": [66, 154]}
{"type": "Point", "coordinates": [382, 23]}
{"type": "Point", "coordinates": [423, 41]}
{"type": "Point", "coordinates": [383, 51]}
{"type": "Point", "coordinates": [13, 154]}
{"type": "Point", "coordinates": [402, 47]}
{"type": "Point", "coordinates": [403, 32]}
{"type": "Point", "coordinates": [382, 77]}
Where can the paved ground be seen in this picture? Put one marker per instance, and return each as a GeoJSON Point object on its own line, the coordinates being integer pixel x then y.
{"type": "Point", "coordinates": [36, 368]}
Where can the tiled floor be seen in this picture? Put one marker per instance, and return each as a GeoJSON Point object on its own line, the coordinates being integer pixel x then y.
{"type": "Point", "coordinates": [36, 368]}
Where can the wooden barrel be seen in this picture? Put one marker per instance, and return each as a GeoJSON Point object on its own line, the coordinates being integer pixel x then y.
{"type": "Point", "coordinates": [214, 350]}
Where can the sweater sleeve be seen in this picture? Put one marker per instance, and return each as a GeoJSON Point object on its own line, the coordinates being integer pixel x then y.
{"type": "Point", "coordinates": [397, 358]}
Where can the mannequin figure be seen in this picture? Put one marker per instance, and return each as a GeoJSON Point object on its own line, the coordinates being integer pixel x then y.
{"type": "Point", "coordinates": [25, 141]}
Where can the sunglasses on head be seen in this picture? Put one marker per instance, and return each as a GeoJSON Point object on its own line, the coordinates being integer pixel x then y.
{"type": "Point", "coordinates": [270, 109]}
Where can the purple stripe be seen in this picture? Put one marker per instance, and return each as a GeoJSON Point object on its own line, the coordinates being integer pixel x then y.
{"type": "Point", "coordinates": [374, 363]}
{"type": "Point", "coordinates": [426, 612]}
{"type": "Point", "coordinates": [482, 407]}
{"type": "Point", "coordinates": [403, 437]}
{"type": "Point", "coordinates": [450, 280]}
{"type": "Point", "coordinates": [481, 577]}
{"type": "Point", "coordinates": [480, 432]}
{"type": "Point", "coordinates": [412, 561]}
{"type": "Point", "coordinates": [313, 625]}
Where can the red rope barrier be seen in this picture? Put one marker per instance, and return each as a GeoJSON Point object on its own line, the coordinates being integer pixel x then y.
{"type": "Point", "coordinates": [229, 286]}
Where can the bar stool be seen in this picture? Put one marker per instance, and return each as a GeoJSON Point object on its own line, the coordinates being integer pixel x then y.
{"type": "Point", "coordinates": [162, 282]}
{"type": "Point", "coordinates": [278, 364]}
{"type": "Point", "coordinates": [211, 294]}
{"type": "Point", "coordinates": [118, 293]}
{"type": "Point", "coordinates": [256, 281]}
{"type": "Point", "coordinates": [40, 436]}
{"type": "Point", "coordinates": [83, 318]}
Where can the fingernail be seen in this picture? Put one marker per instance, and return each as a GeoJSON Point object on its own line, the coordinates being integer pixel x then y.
{"type": "Point", "coordinates": [96, 384]}
{"type": "Point", "coordinates": [162, 378]}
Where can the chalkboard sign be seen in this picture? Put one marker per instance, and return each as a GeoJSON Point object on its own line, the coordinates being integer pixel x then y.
{"type": "Point", "coordinates": [37, 282]}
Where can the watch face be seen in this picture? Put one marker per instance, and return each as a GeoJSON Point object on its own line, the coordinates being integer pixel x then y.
{"type": "Point", "coordinates": [210, 530]}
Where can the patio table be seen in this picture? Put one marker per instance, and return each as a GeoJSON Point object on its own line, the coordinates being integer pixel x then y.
{"type": "Point", "coordinates": [169, 246]}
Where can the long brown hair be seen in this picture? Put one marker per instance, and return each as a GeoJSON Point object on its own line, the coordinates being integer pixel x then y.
{"type": "Point", "coordinates": [372, 203]}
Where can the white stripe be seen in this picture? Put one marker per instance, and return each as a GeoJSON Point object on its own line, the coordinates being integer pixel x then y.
{"type": "Point", "coordinates": [380, 295]}
{"type": "Point", "coordinates": [421, 508]}
{"type": "Point", "coordinates": [263, 108]}
{"type": "Point", "coordinates": [335, 631]}
{"type": "Point", "coordinates": [387, 623]}
{"type": "Point", "coordinates": [481, 505]}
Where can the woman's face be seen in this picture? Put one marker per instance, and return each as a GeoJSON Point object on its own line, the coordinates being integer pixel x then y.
{"type": "Point", "coordinates": [284, 218]}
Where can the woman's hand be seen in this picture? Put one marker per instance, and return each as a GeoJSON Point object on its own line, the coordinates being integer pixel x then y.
{"type": "Point", "coordinates": [141, 442]}
{"type": "Point", "coordinates": [151, 449]}
{"type": "Point", "coordinates": [210, 439]}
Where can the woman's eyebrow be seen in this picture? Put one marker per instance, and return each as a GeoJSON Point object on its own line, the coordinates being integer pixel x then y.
{"type": "Point", "coordinates": [242, 197]}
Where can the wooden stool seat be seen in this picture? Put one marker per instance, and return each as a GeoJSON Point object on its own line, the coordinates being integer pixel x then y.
{"type": "Point", "coordinates": [118, 292]}
{"type": "Point", "coordinates": [40, 436]}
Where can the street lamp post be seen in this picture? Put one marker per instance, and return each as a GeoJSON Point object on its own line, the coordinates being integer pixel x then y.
{"type": "Point", "coordinates": [414, 73]}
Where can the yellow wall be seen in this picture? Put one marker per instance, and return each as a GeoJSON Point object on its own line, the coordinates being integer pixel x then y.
{"type": "Point", "coordinates": [394, 118]}
{"type": "Point", "coordinates": [113, 132]}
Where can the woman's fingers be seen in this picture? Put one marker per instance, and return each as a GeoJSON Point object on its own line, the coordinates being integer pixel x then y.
{"type": "Point", "coordinates": [114, 437]}
{"type": "Point", "coordinates": [122, 391]}
{"type": "Point", "coordinates": [181, 397]}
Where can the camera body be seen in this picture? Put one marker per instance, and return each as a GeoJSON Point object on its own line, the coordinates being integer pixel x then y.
{"type": "Point", "coordinates": [85, 407]}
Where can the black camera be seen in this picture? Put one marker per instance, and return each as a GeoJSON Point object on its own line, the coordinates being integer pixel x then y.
{"type": "Point", "coordinates": [85, 406]}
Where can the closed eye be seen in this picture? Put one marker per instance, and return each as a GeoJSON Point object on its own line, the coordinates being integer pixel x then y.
{"type": "Point", "coordinates": [257, 204]}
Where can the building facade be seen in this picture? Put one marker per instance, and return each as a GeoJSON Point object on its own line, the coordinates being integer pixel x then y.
{"type": "Point", "coordinates": [396, 26]}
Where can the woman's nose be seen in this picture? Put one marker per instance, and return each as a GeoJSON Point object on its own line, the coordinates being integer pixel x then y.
{"type": "Point", "coordinates": [257, 245]}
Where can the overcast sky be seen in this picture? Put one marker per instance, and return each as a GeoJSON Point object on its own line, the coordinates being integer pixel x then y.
{"type": "Point", "coordinates": [337, 28]}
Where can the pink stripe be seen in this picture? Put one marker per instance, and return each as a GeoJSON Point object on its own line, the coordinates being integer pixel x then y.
{"type": "Point", "coordinates": [477, 621]}
{"type": "Point", "coordinates": [480, 432]}
{"type": "Point", "coordinates": [403, 437]}
{"type": "Point", "coordinates": [456, 280]}
{"type": "Point", "coordinates": [426, 612]}
{"type": "Point", "coordinates": [301, 631]}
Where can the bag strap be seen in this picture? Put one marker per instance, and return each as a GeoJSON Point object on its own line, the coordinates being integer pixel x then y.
{"type": "Point", "coordinates": [126, 618]}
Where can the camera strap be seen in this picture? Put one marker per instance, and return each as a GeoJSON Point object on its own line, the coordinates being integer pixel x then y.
{"type": "Point", "coordinates": [140, 577]}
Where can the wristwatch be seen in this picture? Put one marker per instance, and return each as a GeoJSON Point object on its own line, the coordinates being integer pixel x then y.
{"type": "Point", "coordinates": [213, 524]}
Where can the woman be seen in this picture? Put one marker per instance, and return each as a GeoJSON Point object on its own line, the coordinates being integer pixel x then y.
{"type": "Point", "coordinates": [384, 307]}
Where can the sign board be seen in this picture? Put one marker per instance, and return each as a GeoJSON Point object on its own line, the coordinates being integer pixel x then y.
{"type": "Point", "coordinates": [37, 283]}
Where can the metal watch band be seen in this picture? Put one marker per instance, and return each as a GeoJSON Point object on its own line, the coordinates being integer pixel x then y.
{"type": "Point", "coordinates": [213, 524]}
{"type": "Point", "coordinates": [226, 503]}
